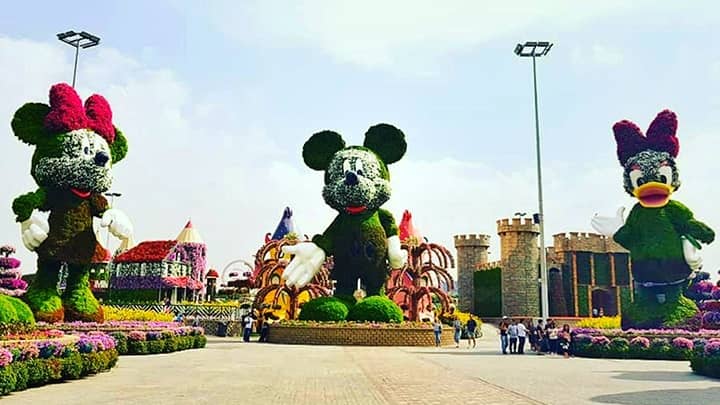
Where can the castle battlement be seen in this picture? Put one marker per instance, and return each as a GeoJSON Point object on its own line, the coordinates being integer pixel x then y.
{"type": "Point", "coordinates": [517, 225]}
{"type": "Point", "coordinates": [585, 242]}
{"type": "Point", "coordinates": [478, 240]}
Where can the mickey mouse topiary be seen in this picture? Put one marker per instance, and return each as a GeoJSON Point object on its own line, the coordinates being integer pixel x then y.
{"type": "Point", "coordinates": [363, 238]}
{"type": "Point", "coordinates": [75, 149]}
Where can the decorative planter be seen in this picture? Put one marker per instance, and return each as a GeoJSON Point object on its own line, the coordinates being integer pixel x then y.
{"type": "Point", "coordinates": [356, 336]}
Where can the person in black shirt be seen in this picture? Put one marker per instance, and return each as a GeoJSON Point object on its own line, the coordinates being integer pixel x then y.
{"type": "Point", "coordinates": [470, 327]}
{"type": "Point", "coordinates": [504, 334]}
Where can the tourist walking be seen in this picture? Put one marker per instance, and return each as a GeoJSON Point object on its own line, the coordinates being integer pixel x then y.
{"type": "Point", "coordinates": [470, 327]}
{"type": "Point", "coordinates": [503, 327]}
{"type": "Point", "coordinates": [247, 327]}
{"type": "Point", "coordinates": [437, 328]}
{"type": "Point", "coordinates": [457, 332]}
{"type": "Point", "coordinates": [513, 335]}
{"type": "Point", "coordinates": [540, 337]}
{"type": "Point", "coordinates": [522, 335]}
{"type": "Point", "coordinates": [552, 337]}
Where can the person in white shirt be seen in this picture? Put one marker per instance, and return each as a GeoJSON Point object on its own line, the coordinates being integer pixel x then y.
{"type": "Point", "coordinates": [522, 335]}
{"type": "Point", "coordinates": [513, 334]}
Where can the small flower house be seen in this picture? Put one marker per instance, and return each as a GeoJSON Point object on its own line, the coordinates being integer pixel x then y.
{"type": "Point", "coordinates": [162, 268]}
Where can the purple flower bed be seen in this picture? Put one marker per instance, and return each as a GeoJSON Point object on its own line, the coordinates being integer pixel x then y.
{"type": "Point", "coordinates": [110, 326]}
{"type": "Point", "coordinates": [658, 344]}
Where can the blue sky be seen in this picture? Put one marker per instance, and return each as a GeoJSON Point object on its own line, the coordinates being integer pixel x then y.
{"type": "Point", "coordinates": [221, 97]}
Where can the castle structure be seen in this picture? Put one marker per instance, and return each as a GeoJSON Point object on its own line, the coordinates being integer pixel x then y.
{"type": "Point", "coordinates": [586, 272]}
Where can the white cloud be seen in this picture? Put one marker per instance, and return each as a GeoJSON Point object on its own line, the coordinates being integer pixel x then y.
{"type": "Point", "coordinates": [408, 35]}
{"type": "Point", "coordinates": [197, 155]}
{"type": "Point", "coordinates": [606, 56]}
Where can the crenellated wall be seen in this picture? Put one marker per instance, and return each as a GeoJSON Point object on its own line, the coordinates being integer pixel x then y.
{"type": "Point", "coordinates": [519, 261]}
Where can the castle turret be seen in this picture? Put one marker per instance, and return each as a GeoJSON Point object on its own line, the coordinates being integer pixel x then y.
{"type": "Point", "coordinates": [520, 260]}
{"type": "Point", "coordinates": [472, 251]}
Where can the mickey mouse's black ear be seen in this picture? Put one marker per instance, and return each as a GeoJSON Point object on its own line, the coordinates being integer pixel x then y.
{"type": "Point", "coordinates": [387, 141]}
{"type": "Point", "coordinates": [320, 148]}
{"type": "Point", "coordinates": [28, 124]}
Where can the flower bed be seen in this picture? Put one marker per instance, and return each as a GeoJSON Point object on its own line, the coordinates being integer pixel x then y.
{"type": "Point", "coordinates": [356, 333]}
{"type": "Point", "coordinates": [32, 363]}
{"type": "Point", "coordinates": [638, 347]}
{"type": "Point", "coordinates": [113, 313]}
{"type": "Point", "coordinates": [138, 342]}
{"type": "Point", "coordinates": [133, 337]}
{"type": "Point", "coordinates": [705, 358]}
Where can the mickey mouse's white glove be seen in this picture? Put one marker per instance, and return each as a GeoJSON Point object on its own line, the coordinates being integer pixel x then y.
{"type": "Point", "coordinates": [691, 254]}
{"type": "Point", "coordinates": [118, 223]}
{"type": "Point", "coordinates": [306, 262]}
{"type": "Point", "coordinates": [396, 256]}
{"type": "Point", "coordinates": [609, 225]}
{"type": "Point", "coordinates": [34, 231]}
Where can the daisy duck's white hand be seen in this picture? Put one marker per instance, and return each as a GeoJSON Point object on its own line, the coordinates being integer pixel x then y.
{"type": "Point", "coordinates": [608, 225]}
{"type": "Point", "coordinates": [306, 262]}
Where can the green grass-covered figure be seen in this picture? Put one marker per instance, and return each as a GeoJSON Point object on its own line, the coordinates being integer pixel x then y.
{"type": "Point", "coordinates": [363, 238]}
{"type": "Point", "coordinates": [661, 234]}
{"type": "Point", "coordinates": [76, 146]}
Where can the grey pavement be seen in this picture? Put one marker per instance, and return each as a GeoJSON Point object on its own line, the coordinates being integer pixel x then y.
{"type": "Point", "coordinates": [228, 371]}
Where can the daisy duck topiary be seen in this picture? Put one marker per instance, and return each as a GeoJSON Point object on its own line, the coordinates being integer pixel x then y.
{"type": "Point", "coordinates": [661, 234]}
{"type": "Point", "coordinates": [76, 146]}
{"type": "Point", "coordinates": [363, 238]}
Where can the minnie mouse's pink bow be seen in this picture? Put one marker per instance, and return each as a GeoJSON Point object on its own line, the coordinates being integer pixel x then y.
{"type": "Point", "coordinates": [68, 114]}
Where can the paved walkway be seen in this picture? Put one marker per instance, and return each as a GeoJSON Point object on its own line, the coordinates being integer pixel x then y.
{"type": "Point", "coordinates": [231, 372]}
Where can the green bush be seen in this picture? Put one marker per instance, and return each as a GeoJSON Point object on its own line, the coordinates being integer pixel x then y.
{"type": "Point", "coordinates": [121, 342]}
{"type": "Point", "coordinates": [136, 347]}
{"type": "Point", "coordinates": [21, 374]}
{"type": "Point", "coordinates": [200, 341]}
{"type": "Point", "coordinates": [37, 372]}
{"type": "Point", "coordinates": [170, 345]}
{"type": "Point", "coordinates": [155, 346]}
{"type": "Point", "coordinates": [329, 309]}
{"type": "Point", "coordinates": [72, 367]}
{"type": "Point", "coordinates": [376, 309]}
{"type": "Point", "coordinates": [8, 380]}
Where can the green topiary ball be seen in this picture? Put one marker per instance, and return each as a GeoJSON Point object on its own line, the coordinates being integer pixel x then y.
{"type": "Point", "coordinates": [376, 309]}
{"type": "Point", "coordinates": [329, 309]}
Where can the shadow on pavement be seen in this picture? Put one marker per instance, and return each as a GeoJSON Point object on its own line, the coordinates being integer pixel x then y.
{"type": "Point", "coordinates": [658, 376]}
{"type": "Point", "coordinates": [466, 352]}
{"type": "Point", "coordinates": [662, 397]}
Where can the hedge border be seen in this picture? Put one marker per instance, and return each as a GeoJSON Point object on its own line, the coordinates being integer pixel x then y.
{"type": "Point", "coordinates": [127, 347]}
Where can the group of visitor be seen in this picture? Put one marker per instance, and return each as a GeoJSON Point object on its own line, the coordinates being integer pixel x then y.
{"type": "Point", "coordinates": [470, 328]}
{"type": "Point", "coordinates": [545, 338]}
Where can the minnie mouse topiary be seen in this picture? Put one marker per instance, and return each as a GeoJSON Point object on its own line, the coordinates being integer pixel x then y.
{"type": "Point", "coordinates": [75, 149]}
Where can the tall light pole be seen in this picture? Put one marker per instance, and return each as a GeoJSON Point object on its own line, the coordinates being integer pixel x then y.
{"type": "Point", "coordinates": [536, 50]}
{"type": "Point", "coordinates": [78, 40]}
{"type": "Point", "coordinates": [112, 196]}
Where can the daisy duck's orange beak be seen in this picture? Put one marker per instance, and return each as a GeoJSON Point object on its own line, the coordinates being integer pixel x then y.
{"type": "Point", "coordinates": [653, 194]}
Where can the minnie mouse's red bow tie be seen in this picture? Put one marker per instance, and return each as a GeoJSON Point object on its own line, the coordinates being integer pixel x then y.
{"type": "Point", "coordinates": [68, 114]}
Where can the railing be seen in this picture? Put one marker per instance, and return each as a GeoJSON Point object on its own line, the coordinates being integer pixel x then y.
{"type": "Point", "coordinates": [221, 312]}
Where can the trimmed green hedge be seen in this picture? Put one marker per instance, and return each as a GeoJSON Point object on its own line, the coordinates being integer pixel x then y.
{"type": "Point", "coordinates": [36, 372]}
{"type": "Point", "coordinates": [488, 295]}
{"type": "Point", "coordinates": [376, 309]}
{"type": "Point", "coordinates": [148, 296]}
{"type": "Point", "coordinates": [622, 348]}
{"type": "Point", "coordinates": [166, 345]}
{"type": "Point", "coordinates": [583, 304]}
{"type": "Point", "coordinates": [324, 309]}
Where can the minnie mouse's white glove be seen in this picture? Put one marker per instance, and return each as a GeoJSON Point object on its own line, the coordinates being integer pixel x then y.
{"type": "Point", "coordinates": [118, 223]}
{"type": "Point", "coordinates": [306, 262]}
{"type": "Point", "coordinates": [34, 231]}
{"type": "Point", "coordinates": [396, 256]}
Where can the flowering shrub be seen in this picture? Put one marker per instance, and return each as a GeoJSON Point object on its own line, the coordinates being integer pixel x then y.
{"type": "Point", "coordinates": [640, 341]}
{"type": "Point", "coordinates": [123, 314]}
{"type": "Point", "coordinates": [682, 343]}
{"type": "Point", "coordinates": [605, 322]}
{"type": "Point", "coordinates": [359, 325]}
